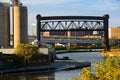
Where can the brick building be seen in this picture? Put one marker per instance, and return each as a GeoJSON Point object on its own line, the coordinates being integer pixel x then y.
{"type": "Point", "coordinates": [68, 33]}
{"type": "Point", "coordinates": [114, 32]}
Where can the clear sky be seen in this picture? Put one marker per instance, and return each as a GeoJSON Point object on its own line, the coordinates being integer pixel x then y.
{"type": "Point", "coordinates": [72, 7]}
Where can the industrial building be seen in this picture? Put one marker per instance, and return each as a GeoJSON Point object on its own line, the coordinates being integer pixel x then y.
{"type": "Point", "coordinates": [72, 33]}
{"type": "Point", "coordinates": [4, 25]}
{"type": "Point", "coordinates": [114, 32]}
{"type": "Point", "coordinates": [20, 23]}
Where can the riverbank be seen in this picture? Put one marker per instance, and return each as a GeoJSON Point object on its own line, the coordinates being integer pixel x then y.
{"type": "Point", "coordinates": [111, 52]}
{"type": "Point", "coordinates": [78, 50]}
{"type": "Point", "coordinates": [55, 66]}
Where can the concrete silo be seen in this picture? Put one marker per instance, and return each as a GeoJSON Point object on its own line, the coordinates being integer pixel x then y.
{"type": "Point", "coordinates": [20, 25]}
{"type": "Point", "coordinates": [4, 25]}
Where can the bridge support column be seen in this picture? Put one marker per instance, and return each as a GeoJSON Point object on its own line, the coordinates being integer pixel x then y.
{"type": "Point", "coordinates": [38, 17]}
{"type": "Point", "coordinates": [106, 33]}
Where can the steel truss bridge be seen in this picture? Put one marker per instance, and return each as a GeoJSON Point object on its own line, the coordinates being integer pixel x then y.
{"type": "Point", "coordinates": [73, 23]}
{"type": "Point", "coordinates": [65, 40]}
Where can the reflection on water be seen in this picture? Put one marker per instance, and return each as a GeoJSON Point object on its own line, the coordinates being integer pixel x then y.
{"type": "Point", "coordinates": [34, 76]}
{"type": "Point", "coordinates": [60, 75]}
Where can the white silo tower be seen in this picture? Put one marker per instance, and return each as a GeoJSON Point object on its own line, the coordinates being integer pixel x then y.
{"type": "Point", "coordinates": [20, 24]}
{"type": "Point", "coordinates": [4, 25]}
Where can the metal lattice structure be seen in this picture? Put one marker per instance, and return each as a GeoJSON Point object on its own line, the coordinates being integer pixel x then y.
{"type": "Point", "coordinates": [74, 23]}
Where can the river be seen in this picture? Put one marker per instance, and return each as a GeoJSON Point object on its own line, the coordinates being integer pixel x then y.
{"type": "Point", "coordinates": [59, 75]}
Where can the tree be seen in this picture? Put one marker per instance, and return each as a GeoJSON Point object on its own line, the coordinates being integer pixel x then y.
{"type": "Point", "coordinates": [113, 43]}
{"type": "Point", "coordinates": [105, 70]}
{"type": "Point", "coordinates": [26, 53]}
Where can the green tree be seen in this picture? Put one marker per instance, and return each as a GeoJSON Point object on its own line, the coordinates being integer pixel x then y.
{"type": "Point", "coordinates": [113, 43]}
{"type": "Point", "coordinates": [105, 70]}
{"type": "Point", "coordinates": [26, 53]}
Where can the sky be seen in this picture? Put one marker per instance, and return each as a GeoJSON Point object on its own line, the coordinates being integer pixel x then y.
{"type": "Point", "coordinates": [72, 8]}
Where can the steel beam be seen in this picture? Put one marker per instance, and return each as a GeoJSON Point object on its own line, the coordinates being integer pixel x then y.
{"type": "Point", "coordinates": [106, 32]}
{"type": "Point", "coordinates": [71, 17]}
{"type": "Point", "coordinates": [38, 17]}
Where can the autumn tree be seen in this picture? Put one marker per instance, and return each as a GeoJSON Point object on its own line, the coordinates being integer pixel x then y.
{"type": "Point", "coordinates": [105, 70]}
{"type": "Point", "coordinates": [26, 53]}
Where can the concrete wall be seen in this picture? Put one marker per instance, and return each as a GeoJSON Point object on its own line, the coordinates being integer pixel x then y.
{"type": "Point", "coordinates": [20, 25]}
{"type": "Point", "coordinates": [50, 52]}
{"type": "Point", "coordinates": [47, 51]}
{"type": "Point", "coordinates": [7, 51]}
{"type": "Point", "coordinates": [4, 25]}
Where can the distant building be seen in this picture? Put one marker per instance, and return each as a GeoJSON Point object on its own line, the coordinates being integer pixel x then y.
{"type": "Point", "coordinates": [55, 33]}
{"type": "Point", "coordinates": [34, 30]}
{"type": "Point", "coordinates": [81, 33]}
{"type": "Point", "coordinates": [72, 33]}
{"type": "Point", "coordinates": [114, 32]}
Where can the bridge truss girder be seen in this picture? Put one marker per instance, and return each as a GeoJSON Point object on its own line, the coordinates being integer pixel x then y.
{"type": "Point", "coordinates": [71, 25]}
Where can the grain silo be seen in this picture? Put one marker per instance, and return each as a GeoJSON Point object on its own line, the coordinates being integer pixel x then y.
{"type": "Point", "coordinates": [4, 25]}
{"type": "Point", "coordinates": [20, 25]}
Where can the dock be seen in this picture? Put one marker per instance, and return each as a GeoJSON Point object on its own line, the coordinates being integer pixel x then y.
{"type": "Point", "coordinates": [55, 66]}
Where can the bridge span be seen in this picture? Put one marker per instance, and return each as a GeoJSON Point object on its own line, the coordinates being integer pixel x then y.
{"type": "Point", "coordinates": [65, 40]}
